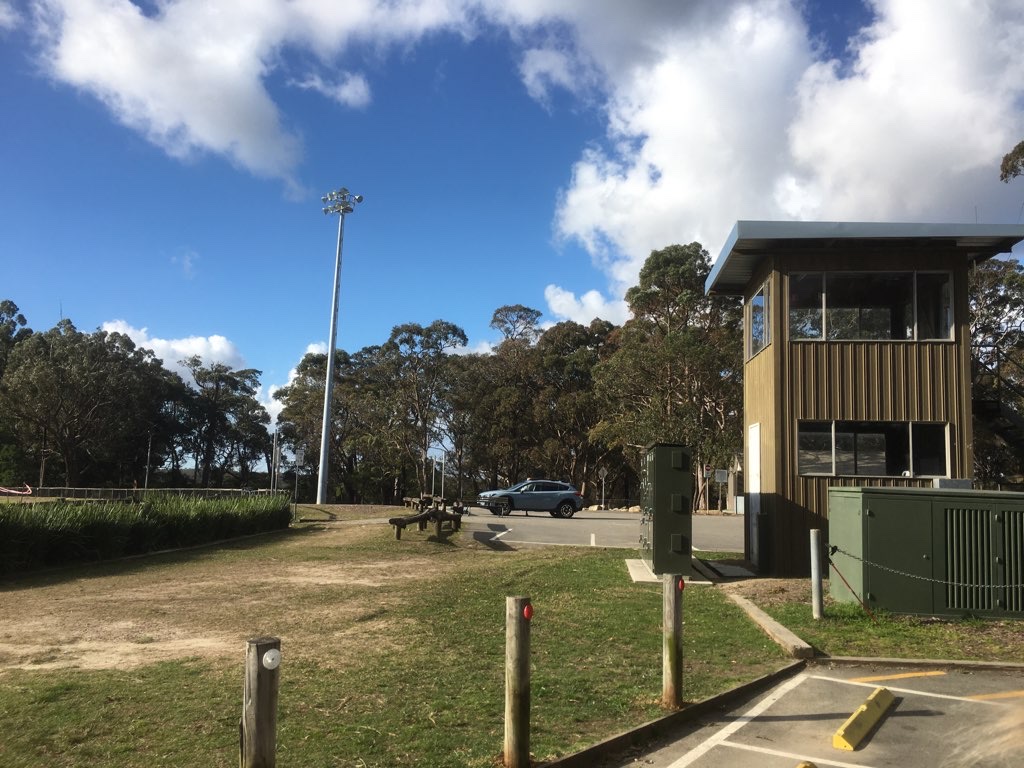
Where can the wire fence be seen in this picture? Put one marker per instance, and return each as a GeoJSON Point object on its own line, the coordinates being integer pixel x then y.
{"type": "Point", "coordinates": [131, 494]}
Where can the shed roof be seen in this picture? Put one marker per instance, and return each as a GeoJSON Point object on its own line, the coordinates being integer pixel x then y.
{"type": "Point", "coordinates": [751, 241]}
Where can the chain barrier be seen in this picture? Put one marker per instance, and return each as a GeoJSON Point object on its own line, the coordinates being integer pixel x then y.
{"type": "Point", "coordinates": [959, 585]}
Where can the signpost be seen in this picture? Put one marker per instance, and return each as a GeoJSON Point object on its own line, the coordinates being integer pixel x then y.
{"type": "Point", "coordinates": [602, 473]}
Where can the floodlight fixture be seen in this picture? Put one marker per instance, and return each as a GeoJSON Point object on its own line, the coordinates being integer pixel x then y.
{"type": "Point", "coordinates": [340, 201]}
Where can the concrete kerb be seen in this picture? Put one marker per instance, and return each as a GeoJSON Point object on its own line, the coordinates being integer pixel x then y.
{"type": "Point", "coordinates": [785, 639]}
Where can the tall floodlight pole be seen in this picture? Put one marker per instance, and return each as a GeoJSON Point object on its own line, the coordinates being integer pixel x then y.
{"type": "Point", "coordinates": [340, 202]}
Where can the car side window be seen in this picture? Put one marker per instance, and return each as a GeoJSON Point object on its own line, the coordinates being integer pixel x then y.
{"type": "Point", "coordinates": [529, 487]}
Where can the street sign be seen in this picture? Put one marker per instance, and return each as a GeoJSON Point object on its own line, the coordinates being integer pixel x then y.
{"type": "Point", "coordinates": [721, 475]}
{"type": "Point", "coordinates": [602, 473]}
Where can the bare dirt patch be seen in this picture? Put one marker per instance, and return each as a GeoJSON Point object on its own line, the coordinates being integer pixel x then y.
{"type": "Point", "coordinates": [768, 592]}
{"type": "Point", "coordinates": [207, 603]}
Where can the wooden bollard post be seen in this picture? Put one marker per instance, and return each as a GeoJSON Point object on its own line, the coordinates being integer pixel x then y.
{"type": "Point", "coordinates": [672, 640]}
{"type": "Point", "coordinates": [258, 737]}
{"type": "Point", "coordinates": [518, 612]}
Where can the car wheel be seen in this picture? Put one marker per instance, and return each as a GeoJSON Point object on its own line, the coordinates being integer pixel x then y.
{"type": "Point", "coordinates": [506, 509]}
{"type": "Point", "coordinates": [566, 509]}
{"type": "Point", "coordinates": [493, 510]}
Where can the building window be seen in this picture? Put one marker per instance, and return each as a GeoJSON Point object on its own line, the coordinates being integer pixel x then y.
{"type": "Point", "coordinates": [759, 335]}
{"type": "Point", "coordinates": [806, 305]}
{"type": "Point", "coordinates": [888, 306]}
{"type": "Point", "coordinates": [872, 448]}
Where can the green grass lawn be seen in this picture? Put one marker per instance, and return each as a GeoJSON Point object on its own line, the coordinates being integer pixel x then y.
{"type": "Point", "coordinates": [408, 670]}
{"type": "Point", "coordinates": [393, 651]}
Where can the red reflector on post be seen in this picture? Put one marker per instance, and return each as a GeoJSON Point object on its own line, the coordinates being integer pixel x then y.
{"type": "Point", "coordinates": [682, 584]}
{"type": "Point", "coordinates": [528, 611]}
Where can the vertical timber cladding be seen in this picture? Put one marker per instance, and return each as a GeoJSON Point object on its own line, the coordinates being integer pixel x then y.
{"type": "Point", "coordinates": [877, 380]}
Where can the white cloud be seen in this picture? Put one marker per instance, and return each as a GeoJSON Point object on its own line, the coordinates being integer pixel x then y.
{"type": "Point", "coordinates": [715, 110]}
{"type": "Point", "coordinates": [915, 130]}
{"type": "Point", "coordinates": [274, 407]}
{"type": "Point", "coordinates": [186, 260]}
{"type": "Point", "coordinates": [542, 68]}
{"type": "Point", "coordinates": [352, 90]}
{"type": "Point", "coordinates": [480, 348]}
{"type": "Point", "coordinates": [734, 117]}
{"type": "Point", "coordinates": [566, 306]}
{"type": "Point", "coordinates": [189, 78]}
{"type": "Point", "coordinates": [9, 17]}
{"type": "Point", "coordinates": [697, 134]}
{"type": "Point", "coordinates": [212, 349]}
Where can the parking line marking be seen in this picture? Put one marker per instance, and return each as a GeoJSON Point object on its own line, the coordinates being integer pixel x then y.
{"type": "Point", "coordinates": [792, 755]}
{"type": "Point", "coordinates": [997, 696]}
{"type": "Point", "coordinates": [719, 738]}
{"type": "Point", "coordinates": [911, 691]}
{"type": "Point", "coordinates": [593, 539]}
{"type": "Point", "coordinates": [903, 676]}
{"type": "Point", "coordinates": [497, 536]}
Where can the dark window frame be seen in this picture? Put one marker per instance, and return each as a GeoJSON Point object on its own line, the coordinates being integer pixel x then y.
{"type": "Point", "coordinates": [903, 448]}
{"type": "Point", "coordinates": [816, 316]}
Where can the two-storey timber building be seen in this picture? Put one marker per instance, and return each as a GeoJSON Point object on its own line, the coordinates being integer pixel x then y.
{"type": "Point", "coordinates": [858, 365]}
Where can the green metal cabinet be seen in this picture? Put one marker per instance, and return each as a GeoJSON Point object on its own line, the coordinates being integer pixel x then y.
{"type": "Point", "coordinates": [666, 522]}
{"type": "Point", "coordinates": [927, 551]}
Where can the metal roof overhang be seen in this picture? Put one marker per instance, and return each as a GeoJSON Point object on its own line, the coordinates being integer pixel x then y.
{"type": "Point", "coordinates": [751, 241]}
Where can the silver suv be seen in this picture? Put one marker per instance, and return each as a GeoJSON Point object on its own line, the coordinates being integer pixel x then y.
{"type": "Point", "coordinates": [556, 498]}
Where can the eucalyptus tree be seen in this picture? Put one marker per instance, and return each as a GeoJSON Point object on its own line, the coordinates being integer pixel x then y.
{"type": "Point", "coordinates": [676, 374]}
{"type": "Point", "coordinates": [13, 459]}
{"type": "Point", "coordinates": [227, 419]}
{"type": "Point", "coordinates": [1013, 163]}
{"type": "Point", "coordinates": [414, 360]}
{"type": "Point", "coordinates": [516, 322]}
{"type": "Point", "coordinates": [566, 408]}
{"type": "Point", "coordinates": [13, 329]}
{"type": "Point", "coordinates": [465, 420]}
{"type": "Point", "coordinates": [83, 398]}
{"type": "Point", "coordinates": [506, 438]}
{"type": "Point", "coordinates": [996, 291]}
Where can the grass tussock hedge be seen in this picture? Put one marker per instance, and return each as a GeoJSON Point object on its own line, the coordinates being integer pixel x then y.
{"type": "Point", "coordinates": [59, 533]}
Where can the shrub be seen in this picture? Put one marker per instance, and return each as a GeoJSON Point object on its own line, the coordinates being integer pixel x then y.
{"type": "Point", "coordinates": [58, 533]}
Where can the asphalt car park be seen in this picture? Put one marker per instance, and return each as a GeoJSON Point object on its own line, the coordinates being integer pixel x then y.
{"type": "Point", "coordinates": [941, 713]}
{"type": "Point", "coordinates": [594, 528]}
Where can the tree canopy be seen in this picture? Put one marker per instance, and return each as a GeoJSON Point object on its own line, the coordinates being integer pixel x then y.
{"type": "Point", "coordinates": [562, 401]}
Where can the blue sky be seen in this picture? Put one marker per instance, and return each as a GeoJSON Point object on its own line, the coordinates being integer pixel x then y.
{"type": "Point", "coordinates": [162, 162]}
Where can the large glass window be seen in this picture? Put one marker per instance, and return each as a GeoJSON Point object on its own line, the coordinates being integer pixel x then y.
{"type": "Point", "coordinates": [897, 306]}
{"type": "Point", "coordinates": [872, 448]}
{"type": "Point", "coordinates": [814, 445]}
{"type": "Point", "coordinates": [759, 328]}
{"type": "Point", "coordinates": [934, 305]}
{"type": "Point", "coordinates": [806, 305]}
{"type": "Point", "coordinates": [864, 306]}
